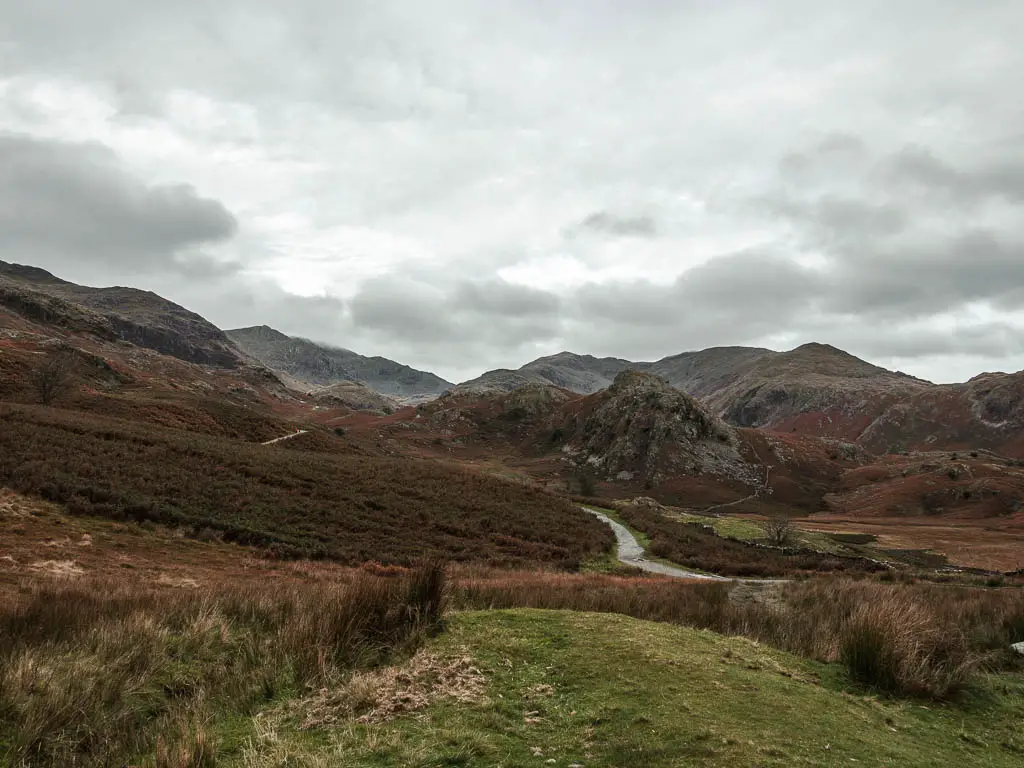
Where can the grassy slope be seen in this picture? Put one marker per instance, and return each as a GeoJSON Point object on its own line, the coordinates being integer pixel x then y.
{"type": "Point", "coordinates": [346, 507]}
{"type": "Point", "coordinates": [634, 693]}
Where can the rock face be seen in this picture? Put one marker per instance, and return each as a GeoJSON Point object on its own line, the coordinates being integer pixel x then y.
{"type": "Point", "coordinates": [986, 412]}
{"type": "Point", "coordinates": [642, 427]}
{"type": "Point", "coordinates": [356, 397]}
{"type": "Point", "coordinates": [318, 365]}
{"type": "Point", "coordinates": [115, 314]}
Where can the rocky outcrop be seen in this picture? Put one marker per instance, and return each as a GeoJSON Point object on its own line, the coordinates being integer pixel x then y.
{"type": "Point", "coordinates": [355, 397]}
{"type": "Point", "coordinates": [643, 428]}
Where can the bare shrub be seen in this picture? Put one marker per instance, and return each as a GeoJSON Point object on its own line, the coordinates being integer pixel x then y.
{"type": "Point", "coordinates": [54, 376]}
{"type": "Point", "coordinates": [778, 531]}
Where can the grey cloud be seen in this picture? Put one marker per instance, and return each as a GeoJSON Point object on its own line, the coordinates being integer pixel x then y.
{"type": "Point", "coordinates": [737, 298]}
{"type": "Point", "coordinates": [918, 165]}
{"type": "Point", "coordinates": [750, 281]}
{"type": "Point", "coordinates": [66, 202]}
{"type": "Point", "coordinates": [603, 222]}
{"type": "Point", "coordinates": [403, 124]}
{"type": "Point", "coordinates": [974, 266]}
{"type": "Point", "coordinates": [404, 311]}
{"type": "Point", "coordinates": [497, 297]}
{"type": "Point", "coordinates": [495, 314]}
{"type": "Point", "coordinates": [841, 142]}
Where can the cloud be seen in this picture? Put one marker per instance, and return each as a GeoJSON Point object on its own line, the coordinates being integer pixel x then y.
{"type": "Point", "coordinates": [64, 202]}
{"type": "Point", "coordinates": [649, 177]}
{"type": "Point", "coordinates": [461, 316]}
{"type": "Point", "coordinates": [918, 166]}
{"type": "Point", "coordinates": [605, 223]}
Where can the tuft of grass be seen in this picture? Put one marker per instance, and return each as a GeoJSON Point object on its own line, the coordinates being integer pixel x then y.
{"type": "Point", "coordinates": [899, 646]}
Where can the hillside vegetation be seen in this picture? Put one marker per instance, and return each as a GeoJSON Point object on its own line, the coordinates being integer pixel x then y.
{"type": "Point", "coordinates": [344, 507]}
{"type": "Point", "coordinates": [105, 673]}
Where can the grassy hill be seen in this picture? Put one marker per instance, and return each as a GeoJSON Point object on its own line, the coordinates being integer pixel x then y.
{"type": "Point", "coordinates": [598, 690]}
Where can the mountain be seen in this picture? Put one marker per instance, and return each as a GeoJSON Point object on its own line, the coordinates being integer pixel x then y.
{"type": "Point", "coordinates": [986, 412]}
{"type": "Point", "coordinates": [316, 365]}
{"type": "Point", "coordinates": [642, 427]}
{"type": "Point", "coordinates": [813, 389]}
{"type": "Point", "coordinates": [115, 314]}
{"type": "Point", "coordinates": [705, 372]}
{"type": "Point", "coordinates": [577, 373]}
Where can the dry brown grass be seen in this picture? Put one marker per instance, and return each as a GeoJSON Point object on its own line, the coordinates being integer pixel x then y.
{"type": "Point", "coordinates": [96, 674]}
{"type": "Point", "coordinates": [379, 695]}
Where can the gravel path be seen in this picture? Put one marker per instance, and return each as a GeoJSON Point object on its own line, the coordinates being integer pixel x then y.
{"type": "Point", "coordinates": [286, 437]}
{"type": "Point", "coordinates": [631, 553]}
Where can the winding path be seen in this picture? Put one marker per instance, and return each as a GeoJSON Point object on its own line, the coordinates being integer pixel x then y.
{"type": "Point", "coordinates": [631, 553]}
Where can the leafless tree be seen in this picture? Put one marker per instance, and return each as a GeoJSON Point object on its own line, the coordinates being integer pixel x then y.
{"type": "Point", "coordinates": [778, 530]}
{"type": "Point", "coordinates": [54, 375]}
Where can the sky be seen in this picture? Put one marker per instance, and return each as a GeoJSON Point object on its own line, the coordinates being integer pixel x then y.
{"type": "Point", "coordinates": [462, 185]}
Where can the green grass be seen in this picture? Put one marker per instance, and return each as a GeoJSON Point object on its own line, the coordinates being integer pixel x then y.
{"type": "Point", "coordinates": [624, 692]}
{"type": "Point", "coordinates": [731, 527]}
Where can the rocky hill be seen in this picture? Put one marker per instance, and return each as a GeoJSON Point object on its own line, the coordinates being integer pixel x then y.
{"type": "Point", "coordinates": [986, 412]}
{"type": "Point", "coordinates": [115, 314]}
{"type": "Point", "coordinates": [814, 388]}
{"type": "Point", "coordinates": [353, 396]}
{"type": "Point", "coordinates": [642, 427]}
{"type": "Point", "coordinates": [317, 365]}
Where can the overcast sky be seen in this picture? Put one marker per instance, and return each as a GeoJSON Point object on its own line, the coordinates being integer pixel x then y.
{"type": "Point", "coordinates": [466, 185]}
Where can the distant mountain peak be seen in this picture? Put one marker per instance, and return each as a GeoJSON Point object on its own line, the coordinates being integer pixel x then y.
{"type": "Point", "coordinates": [264, 332]}
{"type": "Point", "coordinates": [320, 365]}
{"type": "Point", "coordinates": [28, 273]}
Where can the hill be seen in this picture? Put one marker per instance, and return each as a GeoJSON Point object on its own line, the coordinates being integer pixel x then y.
{"type": "Point", "coordinates": [340, 505]}
{"type": "Point", "coordinates": [115, 314]}
{"type": "Point", "coordinates": [320, 365]}
{"type": "Point", "coordinates": [814, 389]}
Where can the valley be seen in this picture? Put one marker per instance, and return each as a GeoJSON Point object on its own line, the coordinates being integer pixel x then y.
{"type": "Point", "coordinates": [796, 525]}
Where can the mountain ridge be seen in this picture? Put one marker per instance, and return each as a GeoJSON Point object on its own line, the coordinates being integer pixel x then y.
{"type": "Point", "coordinates": [321, 365]}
